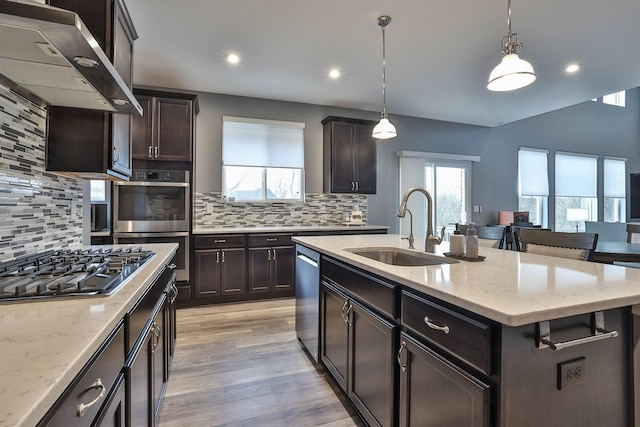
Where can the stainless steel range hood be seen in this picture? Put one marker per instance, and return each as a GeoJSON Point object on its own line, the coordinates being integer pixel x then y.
{"type": "Point", "coordinates": [50, 53]}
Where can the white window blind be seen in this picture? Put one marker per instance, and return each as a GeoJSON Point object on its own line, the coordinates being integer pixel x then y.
{"type": "Point", "coordinates": [576, 175]}
{"type": "Point", "coordinates": [263, 143]}
{"type": "Point", "coordinates": [614, 177]}
{"type": "Point", "coordinates": [533, 177]}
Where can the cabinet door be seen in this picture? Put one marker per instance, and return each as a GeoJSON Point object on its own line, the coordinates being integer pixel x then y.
{"type": "Point", "coordinates": [342, 162]}
{"type": "Point", "coordinates": [434, 392]}
{"type": "Point", "coordinates": [334, 334]}
{"type": "Point", "coordinates": [158, 353]}
{"type": "Point", "coordinates": [365, 160]}
{"type": "Point", "coordinates": [371, 366]}
{"type": "Point", "coordinates": [139, 385]}
{"type": "Point", "coordinates": [232, 273]}
{"type": "Point", "coordinates": [174, 129]}
{"type": "Point", "coordinates": [141, 130]}
{"type": "Point", "coordinates": [260, 269]}
{"type": "Point", "coordinates": [283, 268]}
{"type": "Point", "coordinates": [207, 272]}
{"type": "Point", "coordinates": [113, 414]}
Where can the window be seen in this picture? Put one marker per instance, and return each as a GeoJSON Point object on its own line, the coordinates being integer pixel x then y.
{"type": "Point", "coordinates": [576, 190]}
{"type": "Point", "coordinates": [617, 99]}
{"type": "Point", "coordinates": [533, 185]}
{"type": "Point", "coordinates": [447, 178]}
{"type": "Point", "coordinates": [98, 191]}
{"type": "Point", "coordinates": [262, 160]}
{"type": "Point", "coordinates": [615, 207]}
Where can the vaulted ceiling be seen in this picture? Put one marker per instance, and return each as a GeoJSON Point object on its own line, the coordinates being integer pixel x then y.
{"type": "Point", "coordinates": [439, 53]}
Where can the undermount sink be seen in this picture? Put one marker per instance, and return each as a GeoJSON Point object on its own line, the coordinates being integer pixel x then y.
{"type": "Point", "coordinates": [402, 257]}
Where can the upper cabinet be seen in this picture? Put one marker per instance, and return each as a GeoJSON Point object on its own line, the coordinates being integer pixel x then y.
{"type": "Point", "coordinates": [166, 131]}
{"type": "Point", "coordinates": [91, 144]}
{"type": "Point", "coordinates": [349, 156]}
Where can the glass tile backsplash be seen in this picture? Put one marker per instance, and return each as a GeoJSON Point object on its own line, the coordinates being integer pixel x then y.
{"type": "Point", "coordinates": [39, 210]}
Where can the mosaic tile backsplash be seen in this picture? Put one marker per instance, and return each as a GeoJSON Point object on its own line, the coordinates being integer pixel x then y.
{"type": "Point", "coordinates": [317, 209]}
{"type": "Point", "coordinates": [38, 211]}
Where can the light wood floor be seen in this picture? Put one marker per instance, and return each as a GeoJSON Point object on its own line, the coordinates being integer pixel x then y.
{"type": "Point", "coordinates": [242, 365]}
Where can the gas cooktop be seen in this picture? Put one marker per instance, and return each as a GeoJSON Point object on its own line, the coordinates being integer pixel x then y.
{"type": "Point", "coordinates": [66, 273]}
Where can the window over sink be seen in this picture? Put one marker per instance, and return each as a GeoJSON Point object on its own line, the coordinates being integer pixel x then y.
{"type": "Point", "coordinates": [262, 160]}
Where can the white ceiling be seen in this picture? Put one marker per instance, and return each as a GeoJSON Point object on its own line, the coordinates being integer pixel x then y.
{"type": "Point", "coordinates": [439, 53]}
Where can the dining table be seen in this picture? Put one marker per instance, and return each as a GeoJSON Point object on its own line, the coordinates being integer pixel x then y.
{"type": "Point", "coordinates": [614, 251]}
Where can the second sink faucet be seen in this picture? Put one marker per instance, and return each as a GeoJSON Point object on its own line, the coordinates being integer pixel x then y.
{"type": "Point", "coordinates": [430, 240]}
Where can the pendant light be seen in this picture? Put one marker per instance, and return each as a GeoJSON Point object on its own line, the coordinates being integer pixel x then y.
{"type": "Point", "coordinates": [384, 129]}
{"type": "Point", "coordinates": [512, 72]}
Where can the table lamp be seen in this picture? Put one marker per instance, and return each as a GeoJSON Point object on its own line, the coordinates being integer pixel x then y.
{"type": "Point", "coordinates": [577, 215]}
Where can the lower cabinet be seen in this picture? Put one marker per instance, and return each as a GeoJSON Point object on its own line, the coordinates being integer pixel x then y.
{"type": "Point", "coordinates": [271, 269]}
{"type": "Point", "coordinates": [358, 350]}
{"type": "Point", "coordinates": [434, 392]}
{"type": "Point", "coordinates": [114, 412]}
{"type": "Point", "coordinates": [220, 265]}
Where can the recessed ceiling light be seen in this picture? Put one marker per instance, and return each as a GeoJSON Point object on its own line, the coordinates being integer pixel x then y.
{"type": "Point", "coordinates": [232, 58]}
{"type": "Point", "coordinates": [572, 68]}
{"type": "Point", "coordinates": [334, 74]}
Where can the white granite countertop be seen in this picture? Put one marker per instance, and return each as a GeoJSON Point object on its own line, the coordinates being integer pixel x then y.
{"type": "Point", "coordinates": [512, 288]}
{"type": "Point", "coordinates": [288, 229]}
{"type": "Point", "coordinates": [44, 344]}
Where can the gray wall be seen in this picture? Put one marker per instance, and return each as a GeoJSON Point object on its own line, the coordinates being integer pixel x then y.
{"type": "Point", "coordinates": [586, 128]}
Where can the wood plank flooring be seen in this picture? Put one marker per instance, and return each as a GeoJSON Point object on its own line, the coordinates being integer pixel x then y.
{"type": "Point", "coordinates": [242, 365]}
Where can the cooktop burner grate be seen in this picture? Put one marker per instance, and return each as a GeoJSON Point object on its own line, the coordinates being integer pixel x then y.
{"type": "Point", "coordinates": [81, 272]}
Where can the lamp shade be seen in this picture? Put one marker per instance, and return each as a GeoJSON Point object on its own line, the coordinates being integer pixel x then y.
{"type": "Point", "coordinates": [511, 73]}
{"type": "Point", "coordinates": [384, 129]}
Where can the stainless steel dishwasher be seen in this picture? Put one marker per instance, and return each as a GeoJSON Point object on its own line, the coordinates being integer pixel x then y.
{"type": "Point", "coordinates": [308, 298]}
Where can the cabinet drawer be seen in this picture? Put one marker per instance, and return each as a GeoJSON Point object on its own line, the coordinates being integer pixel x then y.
{"type": "Point", "coordinates": [261, 240]}
{"type": "Point", "coordinates": [105, 366]}
{"type": "Point", "coordinates": [465, 338]}
{"type": "Point", "coordinates": [372, 290]}
{"type": "Point", "coordinates": [219, 241]}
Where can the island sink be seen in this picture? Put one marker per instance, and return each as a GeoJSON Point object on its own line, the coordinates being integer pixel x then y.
{"type": "Point", "coordinates": [401, 257]}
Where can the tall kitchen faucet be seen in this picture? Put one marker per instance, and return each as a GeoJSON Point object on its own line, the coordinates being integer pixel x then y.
{"type": "Point", "coordinates": [431, 240]}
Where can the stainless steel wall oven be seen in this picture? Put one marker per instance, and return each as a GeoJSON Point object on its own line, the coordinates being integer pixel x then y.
{"type": "Point", "coordinates": [154, 207]}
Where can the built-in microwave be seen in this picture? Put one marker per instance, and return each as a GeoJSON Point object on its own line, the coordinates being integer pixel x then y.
{"type": "Point", "coordinates": [153, 201]}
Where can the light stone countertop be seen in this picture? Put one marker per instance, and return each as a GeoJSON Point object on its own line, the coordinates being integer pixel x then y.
{"type": "Point", "coordinates": [512, 288]}
{"type": "Point", "coordinates": [45, 344]}
{"type": "Point", "coordinates": [287, 229]}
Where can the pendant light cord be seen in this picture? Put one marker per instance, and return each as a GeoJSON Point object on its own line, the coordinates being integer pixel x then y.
{"type": "Point", "coordinates": [384, 82]}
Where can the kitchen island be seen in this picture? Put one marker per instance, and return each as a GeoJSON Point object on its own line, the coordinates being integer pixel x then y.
{"type": "Point", "coordinates": [515, 340]}
{"type": "Point", "coordinates": [45, 344]}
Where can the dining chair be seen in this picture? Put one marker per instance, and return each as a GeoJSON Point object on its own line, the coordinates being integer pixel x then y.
{"type": "Point", "coordinates": [633, 233]}
{"type": "Point", "coordinates": [578, 246]}
{"type": "Point", "coordinates": [490, 236]}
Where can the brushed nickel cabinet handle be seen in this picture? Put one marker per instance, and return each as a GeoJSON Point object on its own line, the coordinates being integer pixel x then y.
{"type": "Point", "coordinates": [116, 154]}
{"type": "Point", "coordinates": [268, 254]}
{"type": "Point", "coordinates": [149, 155]}
{"type": "Point", "coordinates": [356, 185]}
{"type": "Point", "coordinates": [274, 254]}
{"type": "Point", "coordinates": [172, 266]}
{"type": "Point", "coordinates": [349, 322]}
{"type": "Point", "coordinates": [271, 239]}
{"type": "Point", "coordinates": [220, 241]}
{"type": "Point", "coordinates": [343, 312]}
{"type": "Point", "coordinates": [156, 151]}
{"type": "Point", "coordinates": [223, 256]}
{"type": "Point", "coordinates": [155, 330]}
{"type": "Point", "coordinates": [403, 367]}
{"type": "Point", "coordinates": [218, 257]}
{"type": "Point", "coordinates": [82, 408]}
{"type": "Point", "coordinates": [353, 186]}
{"type": "Point", "coordinates": [434, 324]}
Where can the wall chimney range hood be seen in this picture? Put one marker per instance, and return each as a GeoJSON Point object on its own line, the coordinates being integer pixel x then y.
{"type": "Point", "coordinates": [48, 52]}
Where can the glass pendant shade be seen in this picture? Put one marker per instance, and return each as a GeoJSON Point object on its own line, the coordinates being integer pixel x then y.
{"type": "Point", "coordinates": [384, 129]}
{"type": "Point", "coordinates": [510, 74]}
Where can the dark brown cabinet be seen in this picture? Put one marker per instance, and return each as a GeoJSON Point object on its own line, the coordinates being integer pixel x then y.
{"type": "Point", "coordinates": [139, 382]}
{"type": "Point", "coordinates": [358, 350]}
{"type": "Point", "coordinates": [220, 265]}
{"type": "Point", "coordinates": [86, 143]}
{"type": "Point", "coordinates": [114, 412]}
{"type": "Point", "coordinates": [271, 268]}
{"type": "Point", "coordinates": [349, 156]}
{"type": "Point", "coordinates": [433, 391]}
{"type": "Point", "coordinates": [166, 131]}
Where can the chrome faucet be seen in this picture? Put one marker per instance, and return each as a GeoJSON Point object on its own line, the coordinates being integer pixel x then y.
{"type": "Point", "coordinates": [410, 238]}
{"type": "Point", "coordinates": [431, 240]}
